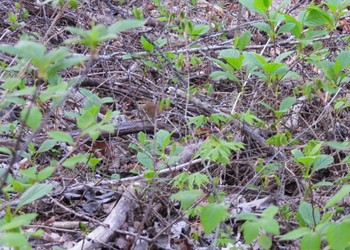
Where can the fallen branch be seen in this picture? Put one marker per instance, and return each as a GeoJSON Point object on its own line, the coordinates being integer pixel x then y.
{"type": "Point", "coordinates": [114, 221]}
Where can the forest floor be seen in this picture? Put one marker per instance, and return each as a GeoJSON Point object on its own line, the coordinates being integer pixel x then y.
{"type": "Point", "coordinates": [177, 73]}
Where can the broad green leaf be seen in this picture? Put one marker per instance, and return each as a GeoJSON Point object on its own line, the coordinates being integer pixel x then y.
{"type": "Point", "coordinates": [310, 215]}
{"type": "Point", "coordinates": [6, 150]}
{"type": "Point", "coordinates": [141, 137]}
{"type": "Point", "coordinates": [88, 118]}
{"type": "Point", "coordinates": [262, 5]}
{"type": "Point", "coordinates": [218, 75]}
{"type": "Point", "coordinates": [145, 159]}
{"type": "Point", "coordinates": [243, 40]}
{"type": "Point", "coordinates": [327, 217]}
{"type": "Point", "coordinates": [270, 212]}
{"type": "Point", "coordinates": [250, 231]}
{"type": "Point", "coordinates": [246, 216]}
{"type": "Point", "coordinates": [47, 145]}
{"type": "Point", "coordinates": [295, 234]}
{"type": "Point", "coordinates": [163, 138]}
{"type": "Point", "coordinates": [322, 162]}
{"type": "Point", "coordinates": [17, 240]}
{"type": "Point", "coordinates": [342, 193]}
{"type": "Point", "coordinates": [61, 136]}
{"type": "Point", "coordinates": [251, 58]}
{"type": "Point", "coordinates": [338, 145]}
{"type": "Point", "coordinates": [199, 29]}
{"type": "Point", "coordinates": [45, 173]}
{"type": "Point", "coordinates": [33, 118]}
{"type": "Point", "coordinates": [263, 27]}
{"type": "Point", "coordinates": [287, 103]}
{"type": "Point", "coordinates": [229, 53]}
{"type": "Point", "coordinates": [271, 68]}
{"type": "Point", "coordinates": [337, 235]}
{"type": "Point", "coordinates": [211, 216]}
{"type": "Point", "coordinates": [322, 184]}
{"type": "Point", "coordinates": [287, 27]}
{"type": "Point", "coordinates": [18, 221]}
{"type": "Point", "coordinates": [11, 83]}
{"type": "Point", "coordinates": [123, 25]}
{"type": "Point", "coordinates": [269, 225]}
{"type": "Point", "coordinates": [34, 193]}
{"type": "Point", "coordinates": [74, 160]}
{"type": "Point", "coordinates": [187, 198]}
{"type": "Point", "coordinates": [31, 50]}
{"type": "Point", "coordinates": [344, 59]}
{"type": "Point", "coordinates": [146, 44]}
{"type": "Point", "coordinates": [311, 241]}
{"type": "Point", "coordinates": [249, 4]}
{"type": "Point", "coordinates": [265, 242]}
{"type": "Point", "coordinates": [317, 17]}
{"type": "Point", "coordinates": [54, 91]}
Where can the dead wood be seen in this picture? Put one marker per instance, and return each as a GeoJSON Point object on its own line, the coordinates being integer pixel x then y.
{"type": "Point", "coordinates": [114, 221]}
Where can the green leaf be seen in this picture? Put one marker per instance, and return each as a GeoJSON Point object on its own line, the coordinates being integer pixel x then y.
{"type": "Point", "coordinates": [244, 40]}
{"type": "Point", "coordinates": [61, 136]}
{"type": "Point", "coordinates": [74, 160]}
{"type": "Point", "coordinates": [47, 145]}
{"type": "Point", "coordinates": [322, 162]}
{"type": "Point", "coordinates": [33, 193]}
{"type": "Point", "coordinates": [187, 198]}
{"type": "Point", "coordinates": [56, 92]}
{"type": "Point", "coordinates": [246, 216]}
{"type": "Point", "coordinates": [6, 150]}
{"type": "Point", "coordinates": [262, 5]}
{"type": "Point", "coordinates": [17, 240]}
{"type": "Point", "coordinates": [287, 103]}
{"type": "Point", "coordinates": [163, 138]}
{"type": "Point", "coordinates": [310, 215]}
{"type": "Point", "coordinates": [250, 231]}
{"type": "Point", "coordinates": [211, 216]}
{"type": "Point", "coordinates": [337, 235]}
{"type": "Point", "coordinates": [286, 28]}
{"type": "Point", "coordinates": [338, 145]}
{"type": "Point", "coordinates": [317, 17]}
{"type": "Point", "coordinates": [311, 241]}
{"type": "Point", "coordinates": [145, 159]}
{"type": "Point", "coordinates": [88, 118]}
{"type": "Point", "coordinates": [32, 119]}
{"type": "Point", "coordinates": [270, 212]}
{"type": "Point", "coordinates": [30, 50]}
{"type": "Point", "coordinates": [45, 173]}
{"type": "Point", "coordinates": [342, 193]}
{"type": "Point", "coordinates": [272, 68]}
{"type": "Point", "coordinates": [295, 234]}
{"type": "Point", "coordinates": [263, 27]}
{"type": "Point", "coordinates": [11, 83]}
{"type": "Point", "coordinates": [123, 25]}
{"type": "Point", "coordinates": [141, 136]}
{"type": "Point", "coordinates": [18, 221]}
{"type": "Point", "coordinates": [265, 242]}
{"type": "Point", "coordinates": [269, 225]}
{"type": "Point", "coordinates": [218, 75]}
{"type": "Point", "coordinates": [146, 44]}
{"type": "Point", "coordinates": [199, 29]}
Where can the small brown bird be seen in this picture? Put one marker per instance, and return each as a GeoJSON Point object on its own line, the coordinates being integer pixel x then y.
{"type": "Point", "coordinates": [148, 109]}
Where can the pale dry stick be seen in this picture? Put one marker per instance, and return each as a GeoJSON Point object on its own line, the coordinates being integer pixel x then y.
{"type": "Point", "coordinates": [58, 16]}
{"type": "Point", "coordinates": [139, 177]}
{"type": "Point", "coordinates": [5, 33]}
{"type": "Point", "coordinates": [246, 81]}
{"type": "Point", "coordinates": [120, 55]}
{"type": "Point", "coordinates": [52, 228]}
{"type": "Point", "coordinates": [75, 213]}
